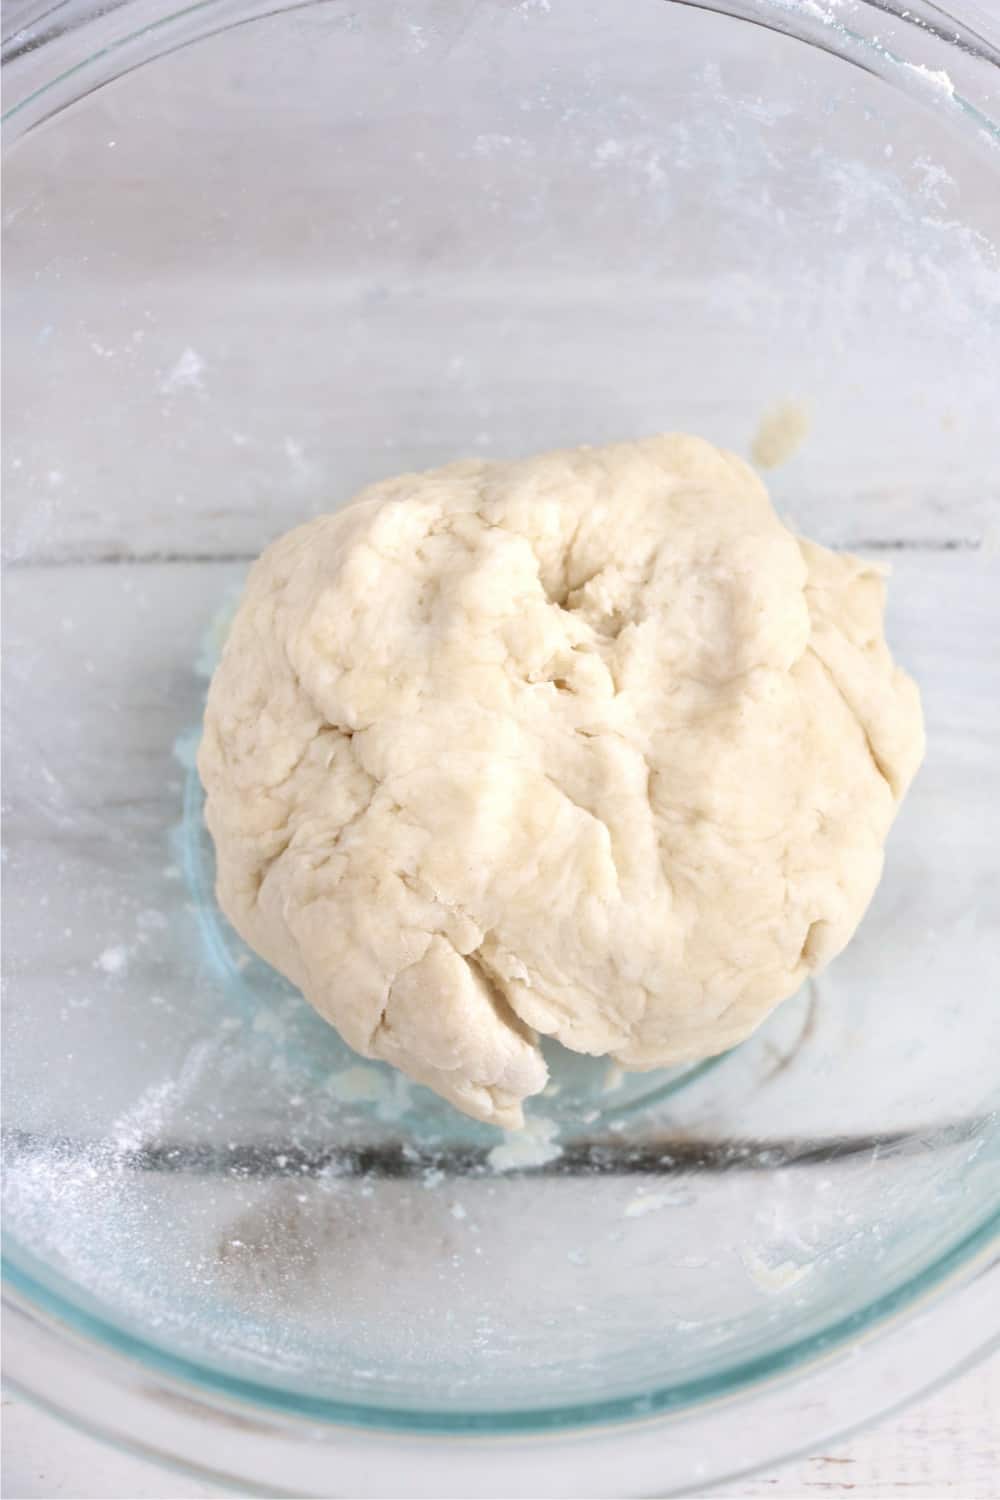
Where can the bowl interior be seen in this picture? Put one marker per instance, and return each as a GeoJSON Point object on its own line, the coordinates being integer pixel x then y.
{"type": "Point", "coordinates": [308, 252]}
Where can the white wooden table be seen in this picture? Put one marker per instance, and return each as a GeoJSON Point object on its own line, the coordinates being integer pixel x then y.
{"type": "Point", "coordinates": [947, 1445]}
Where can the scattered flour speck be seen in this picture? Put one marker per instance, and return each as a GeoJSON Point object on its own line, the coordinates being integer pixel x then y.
{"type": "Point", "coordinates": [648, 1203]}
{"type": "Point", "coordinates": [113, 960]}
{"type": "Point", "coordinates": [935, 78]}
{"type": "Point", "coordinates": [773, 1279]}
{"type": "Point", "coordinates": [186, 374]}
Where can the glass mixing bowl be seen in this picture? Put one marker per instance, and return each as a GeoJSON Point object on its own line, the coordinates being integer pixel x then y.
{"type": "Point", "coordinates": [257, 255]}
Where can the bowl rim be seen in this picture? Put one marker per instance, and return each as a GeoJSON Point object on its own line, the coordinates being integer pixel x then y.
{"type": "Point", "coordinates": [665, 1456]}
{"type": "Point", "coordinates": [866, 35]}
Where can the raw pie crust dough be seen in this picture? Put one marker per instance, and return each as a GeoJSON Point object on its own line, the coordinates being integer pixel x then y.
{"type": "Point", "coordinates": [587, 745]}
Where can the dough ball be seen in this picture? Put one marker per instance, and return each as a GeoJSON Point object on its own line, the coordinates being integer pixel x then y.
{"type": "Point", "coordinates": [587, 746]}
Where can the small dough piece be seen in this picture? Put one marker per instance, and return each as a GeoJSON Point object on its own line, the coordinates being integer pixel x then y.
{"type": "Point", "coordinates": [781, 433]}
{"type": "Point", "coordinates": [587, 745]}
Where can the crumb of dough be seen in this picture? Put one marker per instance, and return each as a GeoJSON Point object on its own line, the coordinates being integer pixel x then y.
{"type": "Point", "coordinates": [781, 432]}
{"type": "Point", "coordinates": [532, 1146]}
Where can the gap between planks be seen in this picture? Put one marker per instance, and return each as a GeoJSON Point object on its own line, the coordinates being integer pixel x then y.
{"type": "Point", "coordinates": [113, 558]}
